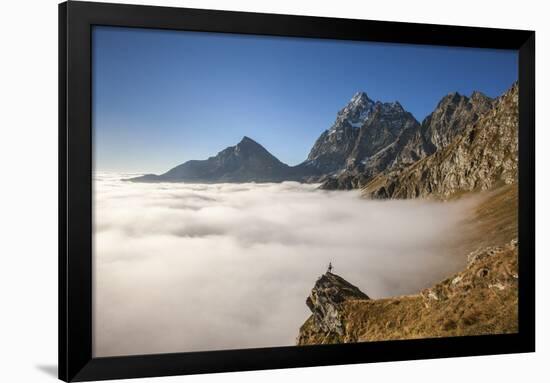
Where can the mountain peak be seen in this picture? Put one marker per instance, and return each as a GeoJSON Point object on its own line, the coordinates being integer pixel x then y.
{"type": "Point", "coordinates": [249, 147]}
{"type": "Point", "coordinates": [477, 93]}
{"type": "Point", "coordinates": [478, 96]}
{"type": "Point", "coordinates": [453, 98]}
{"type": "Point", "coordinates": [360, 96]}
{"type": "Point", "coordinates": [248, 161]}
{"type": "Point", "coordinates": [247, 144]}
{"type": "Point", "coordinates": [397, 106]}
{"type": "Point", "coordinates": [362, 128]}
{"type": "Point", "coordinates": [356, 111]}
{"type": "Point", "coordinates": [248, 140]}
{"type": "Point", "coordinates": [359, 101]}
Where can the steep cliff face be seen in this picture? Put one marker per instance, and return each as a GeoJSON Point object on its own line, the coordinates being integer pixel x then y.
{"type": "Point", "coordinates": [410, 141]}
{"type": "Point", "coordinates": [483, 156]}
{"type": "Point", "coordinates": [362, 129]}
{"type": "Point", "coordinates": [451, 117]}
{"type": "Point", "coordinates": [331, 150]}
{"type": "Point", "coordinates": [482, 299]}
{"type": "Point", "coordinates": [387, 123]}
{"type": "Point", "coordinates": [326, 300]}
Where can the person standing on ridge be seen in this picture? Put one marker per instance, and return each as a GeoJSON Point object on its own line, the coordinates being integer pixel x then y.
{"type": "Point", "coordinates": [329, 267]}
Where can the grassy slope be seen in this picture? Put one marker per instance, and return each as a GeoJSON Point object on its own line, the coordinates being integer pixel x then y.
{"type": "Point", "coordinates": [494, 221]}
{"type": "Point", "coordinates": [482, 299]}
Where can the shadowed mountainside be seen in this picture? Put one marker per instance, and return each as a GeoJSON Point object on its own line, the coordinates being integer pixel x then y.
{"type": "Point", "coordinates": [247, 161]}
{"type": "Point", "coordinates": [484, 156]}
{"type": "Point", "coordinates": [413, 142]}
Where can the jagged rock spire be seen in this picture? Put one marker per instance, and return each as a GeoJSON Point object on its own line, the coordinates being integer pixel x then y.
{"type": "Point", "coordinates": [325, 300]}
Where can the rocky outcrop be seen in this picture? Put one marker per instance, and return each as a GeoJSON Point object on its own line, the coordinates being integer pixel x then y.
{"type": "Point", "coordinates": [484, 269]}
{"type": "Point", "coordinates": [481, 299]}
{"type": "Point", "coordinates": [482, 157]}
{"type": "Point", "coordinates": [451, 117]}
{"type": "Point", "coordinates": [326, 301]}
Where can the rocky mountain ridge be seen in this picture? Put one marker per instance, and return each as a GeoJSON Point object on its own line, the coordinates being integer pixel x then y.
{"type": "Point", "coordinates": [482, 156]}
{"type": "Point", "coordinates": [362, 128]}
{"type": "Point", "coordinates": [452, 115]}
{"type": "Point", "coordinates": [382, 149]}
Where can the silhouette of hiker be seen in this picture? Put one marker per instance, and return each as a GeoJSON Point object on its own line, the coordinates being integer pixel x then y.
{"type": "Point", "coordinates": [330, 267]}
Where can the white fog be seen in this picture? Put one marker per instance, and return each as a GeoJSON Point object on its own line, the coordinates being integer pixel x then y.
{"type": "Point", "coordinates": [191, 267]}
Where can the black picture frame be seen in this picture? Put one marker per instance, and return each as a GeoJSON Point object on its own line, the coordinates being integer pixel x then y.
{"type": "Point", "coordinates": [75, 191]}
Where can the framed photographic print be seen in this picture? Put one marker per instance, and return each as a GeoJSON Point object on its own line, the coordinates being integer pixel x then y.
{"type": "Point", "coordinates": [245, 191]}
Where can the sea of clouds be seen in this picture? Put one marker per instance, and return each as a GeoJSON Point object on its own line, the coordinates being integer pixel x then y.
{"type": "Point", "coordinates": [191, 267]}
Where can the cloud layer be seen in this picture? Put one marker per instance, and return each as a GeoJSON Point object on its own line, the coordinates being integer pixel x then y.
{"type": "Point", "coordinates": [192, 267]}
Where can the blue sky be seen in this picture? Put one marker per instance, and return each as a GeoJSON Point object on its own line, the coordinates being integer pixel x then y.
{"type": "Point", "coordinates": [161, 98]}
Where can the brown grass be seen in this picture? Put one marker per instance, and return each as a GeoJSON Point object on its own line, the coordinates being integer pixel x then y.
{"type": "Point", "coordinates": [481, 304]}
{"type": "Point", "coordinates": [495, 220]}
{"type": "Point", "coordinates": [481, 299]}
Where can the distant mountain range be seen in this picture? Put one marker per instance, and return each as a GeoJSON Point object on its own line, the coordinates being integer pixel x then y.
{"type": "Point", "coordinates": [380, 147]}
{"type": "Point", "coordinates": [247, 161]}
